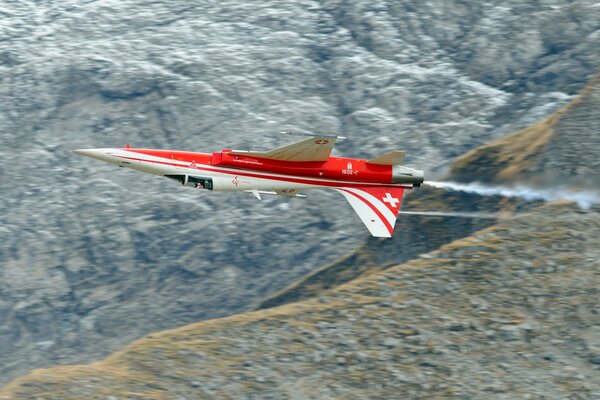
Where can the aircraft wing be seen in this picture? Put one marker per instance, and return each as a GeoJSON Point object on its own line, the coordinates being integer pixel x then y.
{"type": "Point", "coordinates": [315, 148]}
{"type": "Point", "coordinates": [377, 206]}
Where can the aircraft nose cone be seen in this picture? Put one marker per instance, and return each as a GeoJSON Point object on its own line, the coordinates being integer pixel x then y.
{"type": "Point", "coordinates": [84, 152]}
{"type": "Point", "coordinates": [108, 155]}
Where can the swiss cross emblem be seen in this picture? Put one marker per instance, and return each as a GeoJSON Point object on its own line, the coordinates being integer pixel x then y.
{"type": "Point", "coordinates": [393, 201]}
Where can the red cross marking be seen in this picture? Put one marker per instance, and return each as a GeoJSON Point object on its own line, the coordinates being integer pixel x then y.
{"type": "Point", "coordinates": [392, 200]}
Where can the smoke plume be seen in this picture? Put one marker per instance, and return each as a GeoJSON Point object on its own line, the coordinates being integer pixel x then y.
{"type": "Point", "coordinates": [585, 199]}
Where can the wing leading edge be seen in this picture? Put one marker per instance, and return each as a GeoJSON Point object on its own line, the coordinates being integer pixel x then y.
{"type": "Point", "coordinates": [377, 207]}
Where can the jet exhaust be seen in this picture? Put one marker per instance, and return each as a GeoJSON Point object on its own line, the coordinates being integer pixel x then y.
{"type": "Point", "coordinates": [584, 199]}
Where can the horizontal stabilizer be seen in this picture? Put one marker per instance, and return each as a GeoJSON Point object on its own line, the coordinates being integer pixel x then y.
{"type": "Point", "coordinates": [391, 158]}
{"type": "Point", "coordinates": [377, 206]}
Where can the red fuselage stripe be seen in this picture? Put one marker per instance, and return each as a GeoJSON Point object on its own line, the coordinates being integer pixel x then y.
{"type": "Point", "coordinates": [379, 214]}
{"type": "Point", "coordinates": [255, 175]}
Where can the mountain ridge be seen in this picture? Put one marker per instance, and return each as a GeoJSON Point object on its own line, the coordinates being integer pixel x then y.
{"type": "Point", "coordinates": [392, 330]}
{"type": "Point", "coordinates": [521, 156]}
{"type": "Point", "coordinates": [510, 160]}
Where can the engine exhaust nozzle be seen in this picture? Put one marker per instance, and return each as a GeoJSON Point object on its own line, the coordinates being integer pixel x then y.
{"type": "Point", "coordinates": [411, 176]}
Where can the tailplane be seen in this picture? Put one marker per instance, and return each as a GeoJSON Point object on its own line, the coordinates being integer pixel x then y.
{"type": "Point", "coordinates": [377, 206]}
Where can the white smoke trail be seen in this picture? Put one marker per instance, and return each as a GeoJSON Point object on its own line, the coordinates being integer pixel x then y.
{"type": "Point", "coordinates": [585, 199]}
{"type": "Point", "coordinates": [459, 214]}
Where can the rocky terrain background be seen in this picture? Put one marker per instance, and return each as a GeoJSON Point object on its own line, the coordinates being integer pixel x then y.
{"type": "Point", "coordinates": [509, 312]}
{"type": "Point", "coordinates": [414, 235]}
{"type": "Point", "coordinates": [92, 257]}
{"type": "Point", "coordinates": [559, 153]}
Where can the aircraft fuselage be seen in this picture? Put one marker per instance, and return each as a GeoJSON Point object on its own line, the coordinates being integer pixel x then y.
{"type": "Point", "coordinates": [374, 188]}
{"type": "Point", "coordinates": [245, 173]}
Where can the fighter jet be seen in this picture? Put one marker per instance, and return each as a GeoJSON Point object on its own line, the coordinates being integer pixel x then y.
{"type": "Point", "coordinates": [374, 188]}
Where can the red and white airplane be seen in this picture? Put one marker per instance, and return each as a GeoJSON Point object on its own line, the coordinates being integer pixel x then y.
{"type": "Point", "coordinates": [374, 188]}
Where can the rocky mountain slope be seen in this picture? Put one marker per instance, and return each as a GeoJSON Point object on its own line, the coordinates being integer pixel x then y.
{"type": "Point", "coordinates": [93, 257]}
{"type": "Point", "coordinates": [510, 311]}
{"type": "Point", "coordinates": [560, 152]}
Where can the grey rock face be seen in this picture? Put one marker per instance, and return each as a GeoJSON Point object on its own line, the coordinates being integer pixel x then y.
{"type": "Point", "coordinates": [92, 257]}
{"type": "Point", "coordinates": [475, 319]}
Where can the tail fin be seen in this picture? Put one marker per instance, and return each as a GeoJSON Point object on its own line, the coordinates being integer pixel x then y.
{"type": "Point", "coordinates": [377, 206]}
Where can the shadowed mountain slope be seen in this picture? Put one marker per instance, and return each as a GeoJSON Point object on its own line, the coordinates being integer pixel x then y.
{"type": "Point", "coordinates": [414, 235]}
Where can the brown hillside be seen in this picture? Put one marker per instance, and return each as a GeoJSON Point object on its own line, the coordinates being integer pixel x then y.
{"type": "Point", "coordinates": [563, 146]}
